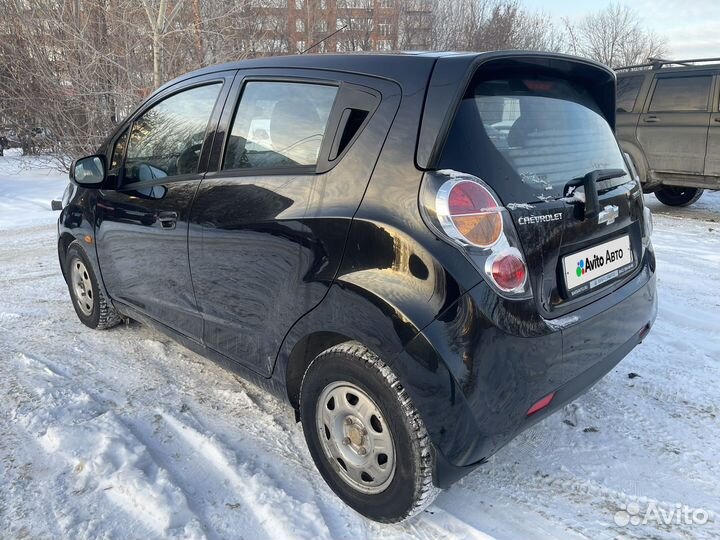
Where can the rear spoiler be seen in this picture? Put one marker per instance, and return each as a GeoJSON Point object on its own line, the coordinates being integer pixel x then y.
{"type": "Point", "coordinates": [452, 76]}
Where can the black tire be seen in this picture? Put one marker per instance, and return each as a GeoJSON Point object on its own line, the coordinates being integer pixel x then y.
{"type": "Point", "coordinates": [410, 490]}
{"type": "Point", "coordinates": [93, 310]}
{"type": "Point", "coordinates": [678, 196]}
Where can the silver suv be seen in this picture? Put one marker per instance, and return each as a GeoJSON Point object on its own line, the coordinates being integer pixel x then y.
{"type": "Point", "coordinates": [668, 121]}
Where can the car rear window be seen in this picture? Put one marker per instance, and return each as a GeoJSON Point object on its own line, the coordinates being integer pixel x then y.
{"type": "Point", "coordinates": [528, 137]}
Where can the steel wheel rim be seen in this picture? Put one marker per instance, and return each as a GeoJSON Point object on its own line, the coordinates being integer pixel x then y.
{"type": "Point", "coordinates": [81, 286]}
{"type": "Point", "coordinates": [355, 437]}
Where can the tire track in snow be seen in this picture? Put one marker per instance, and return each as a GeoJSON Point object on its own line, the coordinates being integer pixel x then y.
{"type": "Point", "coordinates": [22, 498]}
{"type": "Point", "coordinates": [101, 453]}
{"type": "Point", "coordinates": [147, 399]}
{"type": "Point", "coordinates": [587, 497]}
{"type": "Point", "coordinates": [635, 426]}
{"type": "Point", "coordinates": [280, 515]}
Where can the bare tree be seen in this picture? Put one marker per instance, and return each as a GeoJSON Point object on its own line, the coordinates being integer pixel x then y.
{"type": "Point", "coordinates": [160, 21]}
{"type": "Point", "coordinates": [509, 26]}
{"type": "Point", "coordinates": [614, 36]}
{"type": "Point", "coordinates": [357, 17]}
{"type": "Point", "coordinates": [76, 68]}
{"type": "Point", "coordinates": [455, 23]}
{"type": "Point", "coordinates": [483, 25]}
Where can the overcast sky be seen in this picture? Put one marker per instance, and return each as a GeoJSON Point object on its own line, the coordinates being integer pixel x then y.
{"type": "Point", "coordinates": [692, 27]}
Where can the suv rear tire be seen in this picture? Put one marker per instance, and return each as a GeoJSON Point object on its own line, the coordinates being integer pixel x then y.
{"type": "Point", "coordinates": [365, 436]}
{"type": "Point", "coordinates": [678, 196]}
{"type": "Point", "coordinates": [91, 306]}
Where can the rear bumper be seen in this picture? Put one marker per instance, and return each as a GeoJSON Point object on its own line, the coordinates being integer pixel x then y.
{"type": "Point", "coordinates": [497, 376]}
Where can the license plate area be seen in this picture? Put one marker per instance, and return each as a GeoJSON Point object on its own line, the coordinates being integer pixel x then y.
{"type": "Point", "coordinates": [595, 266]}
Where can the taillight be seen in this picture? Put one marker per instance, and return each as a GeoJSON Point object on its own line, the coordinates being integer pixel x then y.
{"type": "Point", "coordinates": [509, 270]}
{"type": "Point", "coordinates": [474, 214]}
{"type": "Point", "coordinates": [466, 212]}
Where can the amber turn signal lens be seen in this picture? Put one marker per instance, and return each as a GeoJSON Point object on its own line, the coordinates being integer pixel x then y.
{"type": "Point", "coordinates": [475, 213]}
{"type": "Point", "coordinates": [480, 229]}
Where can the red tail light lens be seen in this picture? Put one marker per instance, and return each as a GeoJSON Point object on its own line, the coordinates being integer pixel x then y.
{"type": "Point", "coordinates": [465, 212]}
{"type": "Point", "coordinates": [509, 271]}
{"type": "Point", "coordinates": [474, 214]}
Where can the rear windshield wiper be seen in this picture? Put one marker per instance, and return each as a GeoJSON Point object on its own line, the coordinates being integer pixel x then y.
{"type": "Point", "coordinates": [588, 182]}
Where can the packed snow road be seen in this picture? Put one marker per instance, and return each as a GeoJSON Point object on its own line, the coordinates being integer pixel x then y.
{"type": "Point", "coordinates": [125, 434]}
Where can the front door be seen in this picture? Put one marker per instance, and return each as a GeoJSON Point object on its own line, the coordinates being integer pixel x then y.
{"type": "Point", "coordinates": [142, 226]}
{"type": "Point", "coordinates": [673, 130]}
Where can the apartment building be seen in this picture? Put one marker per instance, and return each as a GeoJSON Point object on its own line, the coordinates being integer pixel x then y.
{"type": "Point", "coordinates": [292, 26]}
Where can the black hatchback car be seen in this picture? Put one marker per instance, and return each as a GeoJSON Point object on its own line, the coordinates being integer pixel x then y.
{"type": "Point", "coordinates": [423, 253]}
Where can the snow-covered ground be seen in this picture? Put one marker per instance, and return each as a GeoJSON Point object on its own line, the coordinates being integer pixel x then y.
{"type": "Point", "coordinates": [125, 434]}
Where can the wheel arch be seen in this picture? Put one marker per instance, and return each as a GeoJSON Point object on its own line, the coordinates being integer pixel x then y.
{"type": "Point", "coordinates": [640, 162]}
{"type": "Point", "coordinates": [353, 314]}
{"type": "Point", "coordinates": [302, 355]}
{"type": "Point", "coordinates": [64, 241]}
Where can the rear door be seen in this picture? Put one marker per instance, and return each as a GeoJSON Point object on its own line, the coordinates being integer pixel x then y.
{"type": "Point", "coordinates": [712, 160]}
{"type": "Point", "coordinates": [673, 129]}
{"type": "Point", "coordinates": [269, 224]}
{"type": "Point", "coordinates": [533, 137]}
{"type": "Point", "coordinates": [142, 226]}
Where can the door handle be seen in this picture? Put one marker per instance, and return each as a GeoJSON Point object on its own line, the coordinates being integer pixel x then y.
{"type": "Point", "coordinates": [167, 220]}
{"type": "Point", "coordinates": [717, 119]}
{"type": "Point", "coordinates": [651, 119]}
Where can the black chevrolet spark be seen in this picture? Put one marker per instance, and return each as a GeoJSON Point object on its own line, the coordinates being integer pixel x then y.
{"type": "Point", "coordinates": [423, 253]}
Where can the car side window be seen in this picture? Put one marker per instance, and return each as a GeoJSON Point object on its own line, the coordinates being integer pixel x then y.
{"type": "Point", "coordinates": [628, 89]}
{"type": "Point", "coordinates": [118, 152]}
{"type": "Point", "coordinates": [279, 125]}
{"type": "Point", "coordinates": [167, 139]}
{"type": "Point", "coordinates": [681, 94]}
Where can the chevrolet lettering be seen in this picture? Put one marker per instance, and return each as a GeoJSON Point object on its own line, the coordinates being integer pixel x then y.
{"type": "Point", "coordinates": [543, 218]}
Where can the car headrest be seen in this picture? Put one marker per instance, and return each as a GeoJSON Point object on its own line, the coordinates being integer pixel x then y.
{"type": "Point", "coordinates": [292, 122]}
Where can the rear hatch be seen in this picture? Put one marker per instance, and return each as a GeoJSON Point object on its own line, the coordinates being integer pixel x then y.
{"type": "Point", "coordinates": [540, 134]}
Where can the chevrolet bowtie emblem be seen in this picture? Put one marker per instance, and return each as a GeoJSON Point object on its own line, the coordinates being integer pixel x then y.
{"type": "Point", "coordinates": [608, 214]}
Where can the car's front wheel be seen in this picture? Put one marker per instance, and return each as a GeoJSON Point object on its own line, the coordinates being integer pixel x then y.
{"type": "Point", "coordinates": [91, 306]}
{"type": "Point", "coordinates": [678, 196]}
{"type": "Point", "coordinates": [365, 436]}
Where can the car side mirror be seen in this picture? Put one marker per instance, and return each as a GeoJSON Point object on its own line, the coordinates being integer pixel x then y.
{"type": "Point", "coordinates": [89, 171]}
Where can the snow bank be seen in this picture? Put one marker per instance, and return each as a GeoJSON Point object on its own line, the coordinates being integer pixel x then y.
{"type": "Point", "coordinates": [27, 185]}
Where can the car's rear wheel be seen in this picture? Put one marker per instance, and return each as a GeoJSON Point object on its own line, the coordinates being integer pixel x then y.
{"type": "Point", "coordinates": [678, 196]}
{"type": "Point", "coordinates": [364, 434]}
{"type": "Point", "coordinates": [90, 304]}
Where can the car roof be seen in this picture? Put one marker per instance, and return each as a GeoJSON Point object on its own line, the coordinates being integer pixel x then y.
{"type": "Point", "coordinates": [375, 63]}
{"type": "Point", "coordinates": [347, 61]}
{"type": "Point", "coordinates": [401, 66]}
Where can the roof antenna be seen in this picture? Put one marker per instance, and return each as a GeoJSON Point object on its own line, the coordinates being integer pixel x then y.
{"type": "Point", "coordinates": [324, 39]}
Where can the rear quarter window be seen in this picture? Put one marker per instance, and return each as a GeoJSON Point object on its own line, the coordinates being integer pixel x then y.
{"type": "Point", "coordinates": [628, 89]}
